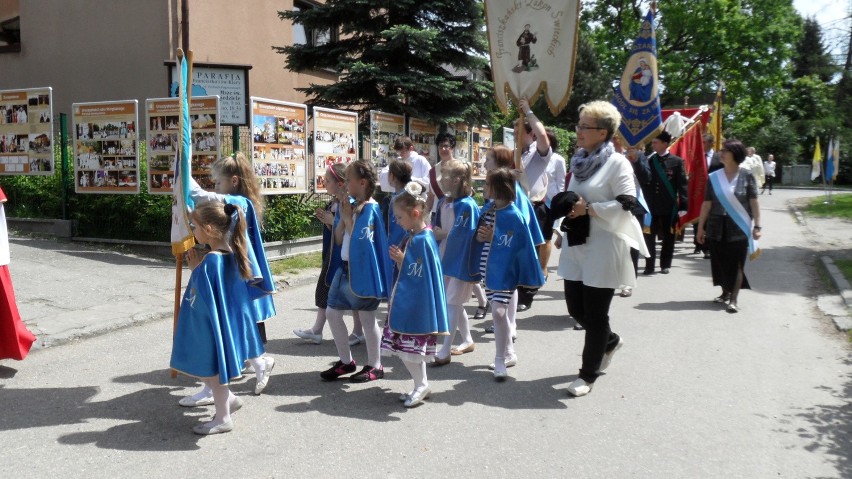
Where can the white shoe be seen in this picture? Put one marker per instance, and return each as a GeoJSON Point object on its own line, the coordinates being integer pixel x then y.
{"type": "Point", "coordinates": [235, 403]}
{"type": "Point", "coordinates": [607, 357]}
{"type": "Point", "coordinates": [207, 429]}
{"type": "Point", "coordinates": [417, 397]}
{"type": "Point", "coordinates": [355, 340]}
{"type": "Point", "coordinates": [308, 335]}
{"type": "Point", "coordinates": [579, 388]}
{"type": "Point", "coordinates": [500, 375]}
{"type": "Point", "coordinates": [248, 369]}
{"type": "Point", "coordinates": [404, 397]}
{"type": "Point", "coordinates": [513, 361]}
{"type": "Point", "coordinates": [263, 379]}
{"type": "Point", "coordinates": [192, 401]}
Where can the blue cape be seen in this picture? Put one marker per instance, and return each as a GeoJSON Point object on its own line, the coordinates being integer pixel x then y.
{"type": "Point", "coordinates": [419, 304]}
{"type": "Point", "coordinates": [216, 330]}
{"type": "Point", "coordinates": [262, 282]}
{"type": "Point", "coordinates": [396, 235]}
{"type": "Point", "coordinates": [512, 260]}
{"type": "Point", "coordinates": [369, 261]}
{"type": "Point", "coordinates": [459, 260]}
{"type": "Point", "coordinates": [525, 206]}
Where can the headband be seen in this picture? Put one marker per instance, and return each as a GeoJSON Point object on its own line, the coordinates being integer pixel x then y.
{"type": "Point", "coordinates": [335, 175]}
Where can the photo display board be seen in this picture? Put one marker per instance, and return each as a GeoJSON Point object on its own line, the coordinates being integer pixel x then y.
{"type": "Point", "coordinates": [462, 134]}
{"type": "Point", "coordinates": [509, 137]}
{"type": "Point", "coordinates": [162, 140]}
{"type": "Point", "coordinates": [480, 143]}
{"type": "Point", "coordinates": [106, 147]}
{"type": "Point", "coordinates": [278, 143]}
{"type": "Point", "coordinates": [423, 134]}
{"type": "Point", "coordinates": [335, 138]}
{"type": "Point", "coordinates": [26, 132]}
{"type": "Point", "coordinates": [384, 130]}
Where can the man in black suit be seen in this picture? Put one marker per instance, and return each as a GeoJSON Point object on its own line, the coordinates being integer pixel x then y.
{"type": "Point", "coordinates": [664, 185]}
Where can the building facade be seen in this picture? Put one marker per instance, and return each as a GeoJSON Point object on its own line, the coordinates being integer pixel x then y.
{"type": "Point", "coordinates": [105, 50]}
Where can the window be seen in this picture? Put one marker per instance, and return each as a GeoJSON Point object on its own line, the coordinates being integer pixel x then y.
{"type": "Point", "coordinates": [306, 36]}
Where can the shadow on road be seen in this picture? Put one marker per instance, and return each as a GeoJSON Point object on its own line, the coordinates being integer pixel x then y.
{"type": "Point", "coordinates": [153, 422]}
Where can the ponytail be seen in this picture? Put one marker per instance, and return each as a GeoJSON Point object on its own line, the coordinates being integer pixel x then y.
{"type": "Point", "coordinates": [236, 239]}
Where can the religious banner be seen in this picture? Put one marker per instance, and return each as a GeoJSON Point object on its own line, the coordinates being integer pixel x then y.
{"type": "Point", "coordinates": [106, 147]}
{"type": "Point", "coordinates": [162, 140]}
{"type": "Point", "coordinates": [228, 82]}
{"type": "Point", "coordinates": [690, 147]}
{"type": "Point", "coordinates": [26, 132]}
{"type": "Point", "coordinates": [481, 142]}
{"type": "Point", "coordinates": [637, 97]}
{"type": "Point", "coordinates": [533, 45]}
{"type": "Point", "coordinates": [423, 134]}
{"type": "Point", "coordinates": [384, 130]}
{"type": "Point", "coordinates": [278, 143]}
{"type": "Point", "coordinates": [334, 139]}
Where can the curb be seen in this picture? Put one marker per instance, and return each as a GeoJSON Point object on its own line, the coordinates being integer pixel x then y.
{"type": "Point", "coordinates": [840, 316]}
{"type": "Point", "coordinates": [838, 306]}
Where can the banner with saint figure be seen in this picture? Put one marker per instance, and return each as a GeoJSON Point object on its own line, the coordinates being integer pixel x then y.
{"type": "Point", "coordinates": [637, 97]}
{"type": "Point", "coordinates": [533, 45]}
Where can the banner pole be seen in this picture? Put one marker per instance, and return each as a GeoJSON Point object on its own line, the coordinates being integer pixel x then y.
{"type": "Point", "coordinates": [63, 141]}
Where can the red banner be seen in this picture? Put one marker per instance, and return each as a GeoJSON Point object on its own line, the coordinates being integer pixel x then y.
{"type": "Point", "coordinates": [690, 147]}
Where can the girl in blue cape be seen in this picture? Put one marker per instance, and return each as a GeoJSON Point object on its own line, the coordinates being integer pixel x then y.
{"type": "Point", "coordinates": [215, 333]}
{"type": "Point", "coordinates": [509, 260]}
{"type": "Point", "coordinates": [361, 282]}
{"type": "Point", "coordinates": [459, 214]}
{"type": "Point", "coordinates": [335, 178]}
{"type": "Point", "coordinates": [235, 183]}
{"type": "Point", "coordinates": [501, 156]}
{"type": "Point", "coordinates": [417, 313]}
{"type": "Point", "coordinates": [399, 175]}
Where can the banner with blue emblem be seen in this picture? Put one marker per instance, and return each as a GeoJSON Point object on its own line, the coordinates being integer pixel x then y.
{"type": "Point", "coordinates": [638, 95]}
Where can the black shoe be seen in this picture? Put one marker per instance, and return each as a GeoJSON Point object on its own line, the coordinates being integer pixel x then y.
{"type": "Point", "coordinates": [664, 271]}
{"type": "Point", "coordinates": [339, 369]}
{"type": "Point", "coordinates": [367, 374]}
{"type": "Point", "coordinates": [481, 312]}
{"type": "Point", "coordinates": [648, 271]}
{"type": "Point", "coordinates": [522, 307]}
{"type": "Point", "coordinates": [706, 255]}
{"type": "Point", "coordinates": [578, 327]}
{"type": "Point", "coordinates": [490, 329]}
{"type": "Point", "coordinates": [696, 250]}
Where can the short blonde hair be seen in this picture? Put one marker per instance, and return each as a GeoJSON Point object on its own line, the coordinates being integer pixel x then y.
{"type": "Point", "coordinates": [604, 113]}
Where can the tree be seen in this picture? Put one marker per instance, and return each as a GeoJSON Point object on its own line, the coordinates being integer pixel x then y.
{"type": "Point", "coordinates": [810, 57]}
{"type": "Point", "coordinates": [415, 57]}
{"type": "Point", "coordinates": [745, 43]}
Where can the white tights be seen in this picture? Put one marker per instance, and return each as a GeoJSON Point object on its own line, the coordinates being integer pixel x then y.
{"type": "Point", "coordinates": [458, 321]}
{"type": "Point", "coordinates": [502, 334]}
{"type": "Point", "coordinates": [418, 374]}
{"type": "Point", "coordinates": [221, 399]}
{"type": "Point", "coordinates": [372, 336]}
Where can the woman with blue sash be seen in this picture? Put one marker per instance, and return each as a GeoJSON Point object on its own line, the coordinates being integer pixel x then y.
{"type": "Point", "coordinates": [730, 223]}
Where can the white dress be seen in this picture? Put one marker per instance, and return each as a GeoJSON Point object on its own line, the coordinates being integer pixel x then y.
{"type": "Point", "coordinates": [604, 260]}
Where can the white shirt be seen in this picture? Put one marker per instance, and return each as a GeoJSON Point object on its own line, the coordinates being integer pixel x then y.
{"type": "Point", "coordinates": [555, 176]}
{"type": "Point", "coordinates": [769, 168]}
{"type": "Point", "coordinates": [535, 172]}
{"type": "Point", "coordinates": [419, 171]}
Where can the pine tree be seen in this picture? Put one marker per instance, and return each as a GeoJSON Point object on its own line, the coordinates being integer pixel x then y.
{"type": "Point", "coordinates": [810, 57]}
{"type": "Point", "coordinates": [418, 57]}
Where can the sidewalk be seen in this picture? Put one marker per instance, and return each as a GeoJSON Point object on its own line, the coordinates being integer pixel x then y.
{"type": "Point", "coordinates": [69, 291]}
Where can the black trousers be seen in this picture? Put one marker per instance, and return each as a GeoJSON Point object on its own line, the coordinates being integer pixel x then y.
{"type": "Point", "coordinates": [662, 227]}
{"type": "Point", "coordinates": [590, 307]}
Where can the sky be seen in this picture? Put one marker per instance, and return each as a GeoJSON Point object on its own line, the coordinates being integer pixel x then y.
{"type": "Point", "coordinates": [832, 15]}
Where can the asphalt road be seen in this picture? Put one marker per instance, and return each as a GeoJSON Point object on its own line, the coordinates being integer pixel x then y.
{"type": "Point", "coordinates": [695, 392]}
